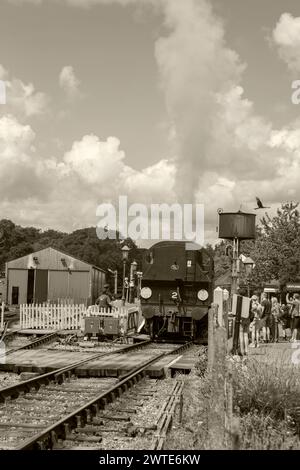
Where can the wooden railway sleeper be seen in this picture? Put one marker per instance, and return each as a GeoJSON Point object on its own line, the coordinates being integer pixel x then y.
{"type": "Point", "coordinates": [67, 428]}
{"type": "Point", "coordinates": [41, 445]}
{"type": "Point", "coordinates": [95, 409]}
{"type": "Point", "coordinates": [79, 421]}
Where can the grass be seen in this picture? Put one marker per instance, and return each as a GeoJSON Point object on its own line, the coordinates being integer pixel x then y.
{"type": "Point", "coordinates": [265, 398]}
{"type": "Point", "coordinates": [270, 389]}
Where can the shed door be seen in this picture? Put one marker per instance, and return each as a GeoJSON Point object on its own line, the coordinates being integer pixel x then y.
{"type": "Point", "coordinates": [30, 286]}
{"type": "Point", "coordinates": [41, 285]}
{"type": "Point", "coordinates": [15, 295]}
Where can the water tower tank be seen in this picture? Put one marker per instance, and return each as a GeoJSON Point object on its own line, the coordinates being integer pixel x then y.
{"type": "Point", "coordinates": [236, 225]}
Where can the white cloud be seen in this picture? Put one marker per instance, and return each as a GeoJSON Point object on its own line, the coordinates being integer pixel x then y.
{"type": "Point", "coordinates": [95, 162]}
{"type": "Point", "coordinates": [22, 98]}
{"type": "Point", "coordinates": [226, 153]}
{"type": "Point", "coordinates": [79, 3]}
{"type": "Point", "coordinates": [69, 82]}
{"type": "Point", "coordinates": [20, 166]}
{"type": "Point", "coordinates": [44, 190]}
{"type": "Point", "coordinates": [286, 37]}
{"type": "Point", "coordinates": [20, 2]}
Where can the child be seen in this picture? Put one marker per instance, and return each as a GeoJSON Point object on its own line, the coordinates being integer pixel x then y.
{"type": "Point", "coordinates": [275, 311]}
{"type": "Point", "coordinates": [255, 315]}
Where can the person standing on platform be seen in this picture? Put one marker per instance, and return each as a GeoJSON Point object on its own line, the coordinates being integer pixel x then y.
{"type": "Point", "coordinates": [285, 321]}
{"type": "Point", "coordinates": [275, 312]}
{"type": "Point", "coordinates": [266, 318]}
{"type": "Point", "coordinates": [295, 315]}
{"type": "Point", "coordinates": [244, 332]}
{"type": "Point", "coordinates": [255, 315]}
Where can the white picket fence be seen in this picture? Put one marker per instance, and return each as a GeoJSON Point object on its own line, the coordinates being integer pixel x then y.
{"type": "Point", "coordinates": [69, 317]}
{"type": "Point", "coordinates": [57, 317]}
{"type": "Point", "coordinates": [115, 312]}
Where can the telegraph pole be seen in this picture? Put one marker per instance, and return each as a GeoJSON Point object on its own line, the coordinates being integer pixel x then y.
{"type": "Point", "coordinates": [235, 267]}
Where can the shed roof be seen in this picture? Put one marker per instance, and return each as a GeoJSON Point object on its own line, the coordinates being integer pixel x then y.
{"type": "Point", "coordinates": [51, 258]}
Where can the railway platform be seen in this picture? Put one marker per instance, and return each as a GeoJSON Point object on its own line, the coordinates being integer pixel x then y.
{"type": "Point", "coordinates": [45, 360]}
{"type": "Point", "coordinates": [284, 352]}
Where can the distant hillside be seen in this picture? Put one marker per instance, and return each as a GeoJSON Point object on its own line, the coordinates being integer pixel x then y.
{"type": "Point", "coordinates": [17, 241]}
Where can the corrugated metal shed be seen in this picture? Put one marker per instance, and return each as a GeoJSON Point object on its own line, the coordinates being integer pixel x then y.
{"type": "Point", "coordinates": [52, 275]}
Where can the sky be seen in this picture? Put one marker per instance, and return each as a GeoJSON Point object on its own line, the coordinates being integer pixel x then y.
{"type": "Point", "coordinates": [163, 101]}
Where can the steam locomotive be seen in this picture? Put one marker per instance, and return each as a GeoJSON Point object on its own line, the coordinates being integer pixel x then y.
{"type": "Point", "coordinates": [176, 291]}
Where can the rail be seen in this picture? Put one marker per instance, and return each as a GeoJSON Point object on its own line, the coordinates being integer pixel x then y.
{"type": "Point", "coordinates": [47, 438]}
{"type": "Point", "coordinates": [58, 374]}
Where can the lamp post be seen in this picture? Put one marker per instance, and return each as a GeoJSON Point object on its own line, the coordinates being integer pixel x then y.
{"type": "Point", "coordinates": [125, 251]}
{"type": "Point", "coordinates": [139, 283]}
{"type": "Point", "coordinates": [133, 267]}
{"type": "Point", "coordinates": [115, 274]}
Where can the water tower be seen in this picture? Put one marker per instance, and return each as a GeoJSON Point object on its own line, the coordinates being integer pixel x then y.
{"type": "Point", "coordinates": [236, 226]}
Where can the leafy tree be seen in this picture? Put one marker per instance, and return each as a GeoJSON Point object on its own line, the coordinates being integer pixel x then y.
{"type": "Point", "coordinates": [277, 248]}
{"type": "Point", "coordinates": [16, 241]}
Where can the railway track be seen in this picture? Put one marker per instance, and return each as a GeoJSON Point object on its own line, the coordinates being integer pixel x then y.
{"type": "Point", "coordinates": [33, 344]}
{"type": "Point", "coordinates": [58, 375]}
{"type": "Point", "coordinates": [33, 419]}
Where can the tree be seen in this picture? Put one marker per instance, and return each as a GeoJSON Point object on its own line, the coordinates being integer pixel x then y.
{"type": "Point", "coordinates": [17, 241]}
{"type": "Point", "coordinates": [277, 248]}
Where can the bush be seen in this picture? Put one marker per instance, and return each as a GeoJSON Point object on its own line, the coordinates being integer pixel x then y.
{"type": "Point", "coordinates": [271, 389]}
{"type": "Point", "coordinates": [264, 396]}
{"type": "Point", "coordinates": [261, 432]}
{"type": "Point", "coordinates": [201, 362]}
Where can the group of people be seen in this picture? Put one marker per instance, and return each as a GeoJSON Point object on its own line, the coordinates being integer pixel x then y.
{"type": "Point", "coordinates": [268, 320]}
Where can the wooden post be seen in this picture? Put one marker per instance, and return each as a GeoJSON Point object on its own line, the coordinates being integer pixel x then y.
{"type": "Point", "coordinates": [72, 317]}
{"type": "Point", "coordinates": [180, 408]}
{"type": "Point", "coordinates": [219, 299]}
{"type": "Point", "coordinates": [217, 350]}
{"type": "Point", "coordinates": [30, 315]}
{"type": "Point", "coordinates": [216, 417]}
{"type": "Point", "coordinates": [229, 401]}
{"type": "Point", "coordinates": [212, 317]}
{"type": "Point", "coordinates": [76, 314]}
{"type": "Point", "coordinates": [2, 316]}
{"type": "Point", "coordinates": [237, 322]}
{"type": "Point", "coordinates": [38, 319]}
{"type": "Point", "coordinates": [25, 316]}
{"type": "Point", "coordinates": [54, 317]}
{"type": "Point", "coordinates": [226, 309]}
{"type": "Point", "coordinates": [21, 315]}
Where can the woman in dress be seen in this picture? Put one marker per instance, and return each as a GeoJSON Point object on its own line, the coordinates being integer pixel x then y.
{"type": "Point", "coordinates": [275, 312]}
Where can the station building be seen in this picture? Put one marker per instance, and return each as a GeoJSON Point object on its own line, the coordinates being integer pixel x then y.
{"type": "Point", "coordinates": [50, 275]}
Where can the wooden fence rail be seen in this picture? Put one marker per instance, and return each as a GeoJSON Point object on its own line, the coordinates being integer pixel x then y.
{"type": "Point", "coordinates": [2, 307]}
